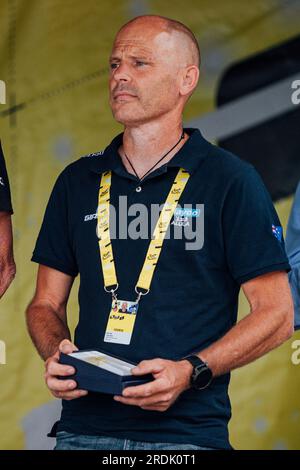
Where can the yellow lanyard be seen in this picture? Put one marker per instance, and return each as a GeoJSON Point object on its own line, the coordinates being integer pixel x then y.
{"type": "Point", "coordinates": [155, 245]}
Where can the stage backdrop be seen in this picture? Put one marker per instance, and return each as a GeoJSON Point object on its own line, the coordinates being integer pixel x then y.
{"type": "Point", "coordinates": [53, 58]}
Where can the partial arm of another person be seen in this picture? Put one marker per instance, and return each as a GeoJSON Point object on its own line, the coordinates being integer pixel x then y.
{"type": "Point", "coordinates": [47, 324]}
{"type": "Point", "coordinates": [269, 324]}
{"type": "Point", "coordinates": [7, 263]}
{"type": "Point", "coordinates": [292, 244]}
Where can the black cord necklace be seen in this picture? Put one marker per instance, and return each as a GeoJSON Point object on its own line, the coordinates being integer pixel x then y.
{"type": "Point", "coordinates": [140, 179]}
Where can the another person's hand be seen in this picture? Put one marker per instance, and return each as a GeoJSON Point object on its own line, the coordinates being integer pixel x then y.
{"type": "Point", "coordinates": [171, 379]}
{"type": "Point", "coordinates": [7, 263]}
{"type": "Point", "coordinates": [64, 389]}
{"type": "Point", "coordinates": [7, 274]}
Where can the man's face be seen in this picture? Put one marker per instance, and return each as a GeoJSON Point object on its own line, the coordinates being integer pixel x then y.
{"type": "Point", "coordinates": [143, 63]}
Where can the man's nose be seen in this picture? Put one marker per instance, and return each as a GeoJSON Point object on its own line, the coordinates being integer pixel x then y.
{"type": "Point", "coordinates": [122, 72]}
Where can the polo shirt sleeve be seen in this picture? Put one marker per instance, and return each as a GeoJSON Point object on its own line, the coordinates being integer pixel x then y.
{"type": "Point", "coordinates": [253, 239]}
{"type": "Point", "coordinates": [54, 244]}
{"type": "Point", "coordinates": [5, 196]}
{"type": "Point", "coordinates": [293, 252]}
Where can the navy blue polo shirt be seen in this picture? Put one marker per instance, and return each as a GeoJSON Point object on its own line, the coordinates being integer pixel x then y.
{"type": "Point", "coordinates": [5, 197]}
{"type": "Point", "coordinates": [193, 299]}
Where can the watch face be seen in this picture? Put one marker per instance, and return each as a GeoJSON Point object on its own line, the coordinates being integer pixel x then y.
{"type": "Point", "coordinates": [202, 377]}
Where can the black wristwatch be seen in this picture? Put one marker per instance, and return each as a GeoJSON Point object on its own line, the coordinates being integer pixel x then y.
{"type": "Point", "coordinates": [202, 375]}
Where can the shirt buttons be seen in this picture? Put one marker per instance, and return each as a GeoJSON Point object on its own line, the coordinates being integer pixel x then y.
{"type": "Point", "coordinates": [138, 189]}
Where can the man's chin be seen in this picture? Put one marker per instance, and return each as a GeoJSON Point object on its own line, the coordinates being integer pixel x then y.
{"type": "Point", "coordinates": [127, 118]}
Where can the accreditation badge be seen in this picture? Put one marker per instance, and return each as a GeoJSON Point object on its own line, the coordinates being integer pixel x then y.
{"type": "Point", "coordinates": [121, 320]}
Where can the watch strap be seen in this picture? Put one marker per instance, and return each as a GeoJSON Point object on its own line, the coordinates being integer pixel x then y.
{"type": "Point", "coordinates": [194, 360]}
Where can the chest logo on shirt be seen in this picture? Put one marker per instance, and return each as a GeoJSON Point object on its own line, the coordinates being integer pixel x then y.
{"type": "Point", "coordinates": [182, 216]}
{"type": "Point", "coordinates": [1, 181]}
{"type": "Point", "coordinates": [89, 217]}
{"type": "Point", "coordinates": [137, 222]}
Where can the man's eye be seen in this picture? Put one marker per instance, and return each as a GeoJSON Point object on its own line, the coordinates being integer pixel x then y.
{"type": "Point", "coordinates": [114, 65]}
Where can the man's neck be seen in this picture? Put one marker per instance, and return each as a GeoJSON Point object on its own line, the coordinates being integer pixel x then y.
{"type": "Point", "coordinates": [146, 144]}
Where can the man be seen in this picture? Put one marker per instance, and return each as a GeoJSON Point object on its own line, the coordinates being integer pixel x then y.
{"type": "Point", "coordinates": [190, 308]}
{"type": "Point", "coordinates": [7, 264]}
{"type": "Point", "coordinates": [293, 252]}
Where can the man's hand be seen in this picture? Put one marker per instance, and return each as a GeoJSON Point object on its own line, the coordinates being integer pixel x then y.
{"type": "Point", "coordinates": [171, 379]}
{"type": "Point", "coordinates": [64, 389]}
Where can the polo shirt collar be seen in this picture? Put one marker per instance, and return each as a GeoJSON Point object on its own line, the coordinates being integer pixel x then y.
{"type": "Point", "coordinates": [188, 157]}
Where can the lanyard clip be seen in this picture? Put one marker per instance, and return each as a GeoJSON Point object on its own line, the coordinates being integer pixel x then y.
{"type": "Point", "coordinates": [140, 293]}
{"type": "Point", "coordinates": [114, 296]}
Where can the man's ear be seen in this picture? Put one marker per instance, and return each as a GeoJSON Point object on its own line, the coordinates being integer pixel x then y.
{"type": "Point", "coordinates": [190, 77]}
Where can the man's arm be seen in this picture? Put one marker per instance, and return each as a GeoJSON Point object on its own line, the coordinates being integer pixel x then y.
{"type": "Point", "coordinates": [7, 264]}
{"type": "Point", "coordinates": [47, 312]}
{"type": "Point", "coordinates": [47, 324]}
{"type": "Point", "coordinates": [269, 323]}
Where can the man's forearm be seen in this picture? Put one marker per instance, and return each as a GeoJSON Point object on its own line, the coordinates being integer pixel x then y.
{"type": "Point", "coordinates": [46, 329]}
{"type": "Point", "coordinates": [250, 339]}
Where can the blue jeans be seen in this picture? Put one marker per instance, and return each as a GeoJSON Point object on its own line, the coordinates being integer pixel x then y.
{"type": "Point", "coordinates": [68, 441]}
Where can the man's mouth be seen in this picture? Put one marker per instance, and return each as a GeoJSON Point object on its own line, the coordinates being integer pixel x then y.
{"type": "Point", "coordinates": [123, 96]}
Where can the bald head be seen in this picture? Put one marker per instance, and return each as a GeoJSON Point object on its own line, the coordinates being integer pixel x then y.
{"type": "Point", "coordinates": [181, 38]}
{"type": "Point", "coordinates": [156, 61]}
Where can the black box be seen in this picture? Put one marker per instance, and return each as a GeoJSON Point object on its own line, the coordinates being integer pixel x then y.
{"type": "Point", "coordinates": [95, 378]}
